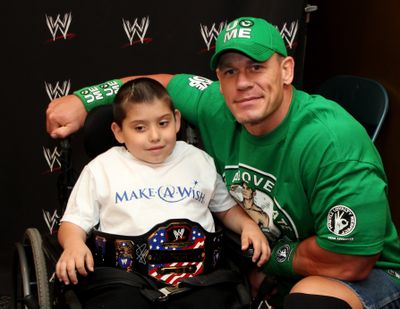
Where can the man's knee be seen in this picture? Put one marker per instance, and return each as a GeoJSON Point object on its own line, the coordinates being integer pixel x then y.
{"type": "Point", "coordinates": [308, 301]}
{"type": "Point", "coordinates": [316, 285]}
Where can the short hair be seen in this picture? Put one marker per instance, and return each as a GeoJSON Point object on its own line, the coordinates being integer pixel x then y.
{"type": "Point", "coordinates": [138, 91]}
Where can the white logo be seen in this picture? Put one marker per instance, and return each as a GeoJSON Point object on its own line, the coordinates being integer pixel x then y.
{"type": "Point", "coordinates": [289, 32]}
{"type": "Point", "coordinates": [179, 233]}
{"type": "Point", "coordinates": [136, 28]}
{"type": "Point", "coordinates": [199, 82]}
{"type": "Point", "coordinates": [58, 90]}
{"type": "Point", "coordinates": [59, 24]}
{"type": "Point", "coordinates": [52, 158]}
{"type": "Point", "coordinates": [283, 253]}
{"type": "Point", "coordinates": [341, 220]}
{"type": "Point", "coordinates": [232, 32]}
{"type": "Point", "coordinates": [246, 23]}
{"type": "Point", "coordinates": [50, 219]}
{"type": "Point", "coordinates": [264, 305]}
{"type": "Point", "coordinates": [210, 35]}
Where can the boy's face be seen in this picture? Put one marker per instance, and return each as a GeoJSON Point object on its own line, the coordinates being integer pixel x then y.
{"type": "Point", "coordinates": [149, 131]}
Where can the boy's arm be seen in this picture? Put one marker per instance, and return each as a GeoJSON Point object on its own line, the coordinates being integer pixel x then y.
{"type": "Point", "coordinates": [67, 114]}
{"type": "Point", "coordinates": [76, 256]}
{"type": "Point", "coordinates": [238, 221]}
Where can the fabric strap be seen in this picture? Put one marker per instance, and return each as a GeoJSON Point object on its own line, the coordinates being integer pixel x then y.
{"type": "Point", "coordinates": [104, 276]}
{"type": "Point", "coordinates": [281, 261]}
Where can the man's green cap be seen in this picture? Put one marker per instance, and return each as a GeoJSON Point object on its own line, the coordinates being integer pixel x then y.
{"type": "Point", "coordinates": [251, 36]}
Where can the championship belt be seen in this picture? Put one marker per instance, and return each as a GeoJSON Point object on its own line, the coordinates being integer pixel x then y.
{"type": "Point", "coordinates": [170, 251]}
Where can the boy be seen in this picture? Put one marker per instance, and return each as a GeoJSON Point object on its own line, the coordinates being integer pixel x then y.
{"type": "Point", "coordinates": [129, 190]}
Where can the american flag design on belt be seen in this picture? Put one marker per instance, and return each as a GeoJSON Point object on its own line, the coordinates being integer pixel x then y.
{"type": "Point", "coordinates": [183, 238]}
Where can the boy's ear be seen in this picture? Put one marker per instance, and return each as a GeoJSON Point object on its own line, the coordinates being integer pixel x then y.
{"type": "Point", "coordinates": [177, 115]}
{"type": "Point", "coordinates": [117, 132]}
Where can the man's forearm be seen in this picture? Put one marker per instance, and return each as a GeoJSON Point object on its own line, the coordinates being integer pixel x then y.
{"type": "Point", "coordinates": [311, 259]}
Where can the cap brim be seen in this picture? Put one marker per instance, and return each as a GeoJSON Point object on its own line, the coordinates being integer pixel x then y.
{"type": "Point", "coordinates": [255, 52]}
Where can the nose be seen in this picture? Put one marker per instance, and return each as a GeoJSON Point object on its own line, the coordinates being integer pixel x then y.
{"type": "Point", "coordinates": [243, 81]}
{"type": "Point", "coordinates": [154, 134]}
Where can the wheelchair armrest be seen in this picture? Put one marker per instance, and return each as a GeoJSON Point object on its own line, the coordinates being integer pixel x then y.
{"type": "Point", "coordinates": [233, 244]}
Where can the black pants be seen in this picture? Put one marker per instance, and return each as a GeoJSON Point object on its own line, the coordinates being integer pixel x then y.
{"type": "Point", "coordinates": [218, 296]}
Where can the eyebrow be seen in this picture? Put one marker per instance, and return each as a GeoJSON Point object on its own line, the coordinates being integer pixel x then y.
{"type": "Point", "coordinates": [166, 115]}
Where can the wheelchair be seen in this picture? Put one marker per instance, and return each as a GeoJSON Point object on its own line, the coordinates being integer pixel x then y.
{"type": "Point", "coordinates": [34, 282]}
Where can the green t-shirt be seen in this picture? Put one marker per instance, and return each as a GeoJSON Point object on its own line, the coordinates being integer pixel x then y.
{"type": "Point", "coordinates": [307, 177]}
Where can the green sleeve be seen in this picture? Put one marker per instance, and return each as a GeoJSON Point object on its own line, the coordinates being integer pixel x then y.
{"type": "Point", "coordinates": [188, 93]}
{"type": "Point", "coordinates": [350, 208]}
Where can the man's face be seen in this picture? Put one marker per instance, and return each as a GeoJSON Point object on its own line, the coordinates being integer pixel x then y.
{"type": "Point", "coordinates": [254, 91]}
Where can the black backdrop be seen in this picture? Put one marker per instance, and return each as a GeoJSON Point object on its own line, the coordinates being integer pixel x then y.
{"type": "Point", "coordinates": [51, 48]}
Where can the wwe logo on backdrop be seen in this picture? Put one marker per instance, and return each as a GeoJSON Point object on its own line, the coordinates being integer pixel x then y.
{"type": "Point", "coordinates": [59, 25]}
{"type": "Point", "coordinates": [52, 158]}
{"type": "Point", "coordinates": [58, 90]}
{"type": "Point", "coordinates": [51, 220]}
{"type": "Point", "coordinates": [210, 35]}
{"type": "Point", "coordinates": [137, 28]}
{"type": "Point", "coordinates": [289, 32]}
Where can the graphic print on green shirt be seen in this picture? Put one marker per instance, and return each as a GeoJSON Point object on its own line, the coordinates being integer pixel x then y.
{"type": "Point", "coordinates": [252, 188]}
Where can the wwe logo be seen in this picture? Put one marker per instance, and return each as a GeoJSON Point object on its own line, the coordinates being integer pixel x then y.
{"type": "Point", "coordinates": [51, 219]}
{"type": "Point", "coordinates": [58, 90]}
{"type": "Point", "coordinates": [211, 34]}
{"type": "Point", "coordinates": [179, 233]}
{"type": "Point", "coordinates": [52, 157]}
{"type": "Point", "coordinates": [288, 33]}
{"type": "Point", "coordinates": [136, 28]}
{"type": "Point", "coordinates": [59, 24]}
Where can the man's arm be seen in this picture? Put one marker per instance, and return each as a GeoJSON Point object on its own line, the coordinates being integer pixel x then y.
{"type": "Point", "coordinates": [311, 259]}
{"type": "Point", "coordinates": [67, 114]}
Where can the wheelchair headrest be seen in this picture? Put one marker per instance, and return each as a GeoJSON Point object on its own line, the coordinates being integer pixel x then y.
{"type": "Point", "coordinates": [97, 134]}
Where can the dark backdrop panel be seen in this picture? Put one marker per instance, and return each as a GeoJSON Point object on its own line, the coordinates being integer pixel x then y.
{"type": "Point", "coordinates": [52, 48]}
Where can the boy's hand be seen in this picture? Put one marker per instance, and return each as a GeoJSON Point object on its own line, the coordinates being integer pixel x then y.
{"type": "Point", "coordinates": [76, 258]}
{"type": "Point", "coordinates": [252, 235]}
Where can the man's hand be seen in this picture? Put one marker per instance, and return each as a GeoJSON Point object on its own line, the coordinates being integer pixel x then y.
{"type": "Point", "coordinates": [65, 116]}
{"type": "Point", "coordinates": [76, 258]}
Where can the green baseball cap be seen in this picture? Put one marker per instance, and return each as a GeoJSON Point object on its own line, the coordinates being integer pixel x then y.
{"type": "Point", "coordinates": [254, 37]}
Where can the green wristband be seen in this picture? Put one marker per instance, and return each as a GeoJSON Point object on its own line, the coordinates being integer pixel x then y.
{"type": "Point", "coordinates": [101, 94]}
{"type": "Point", "coordinates": [281, 260]}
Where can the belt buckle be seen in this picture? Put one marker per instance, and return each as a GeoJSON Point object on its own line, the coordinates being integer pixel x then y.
{"type": "Point", "coordinates": [176, 251]}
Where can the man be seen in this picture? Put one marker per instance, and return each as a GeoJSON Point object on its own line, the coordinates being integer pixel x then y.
{"type": "Point", "coordinates": [312, 163]}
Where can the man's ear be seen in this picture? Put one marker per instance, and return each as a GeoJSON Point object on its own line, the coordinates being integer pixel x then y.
{"type": "Point", "coordinates": [177, 115]}
{"type": "Point", "coordinates": [217, 73]}
{"type": "Point", "coordinates": [117, 132]}
{"type": "Point", "coordinates": [287, 67]}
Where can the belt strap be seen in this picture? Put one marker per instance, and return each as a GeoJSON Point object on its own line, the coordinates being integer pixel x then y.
{"type": "Point", "coordinates": [106, 276]}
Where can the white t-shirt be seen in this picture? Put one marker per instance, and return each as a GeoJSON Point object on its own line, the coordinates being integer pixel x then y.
{"type": "Point", "coordinates": [128, 196]}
